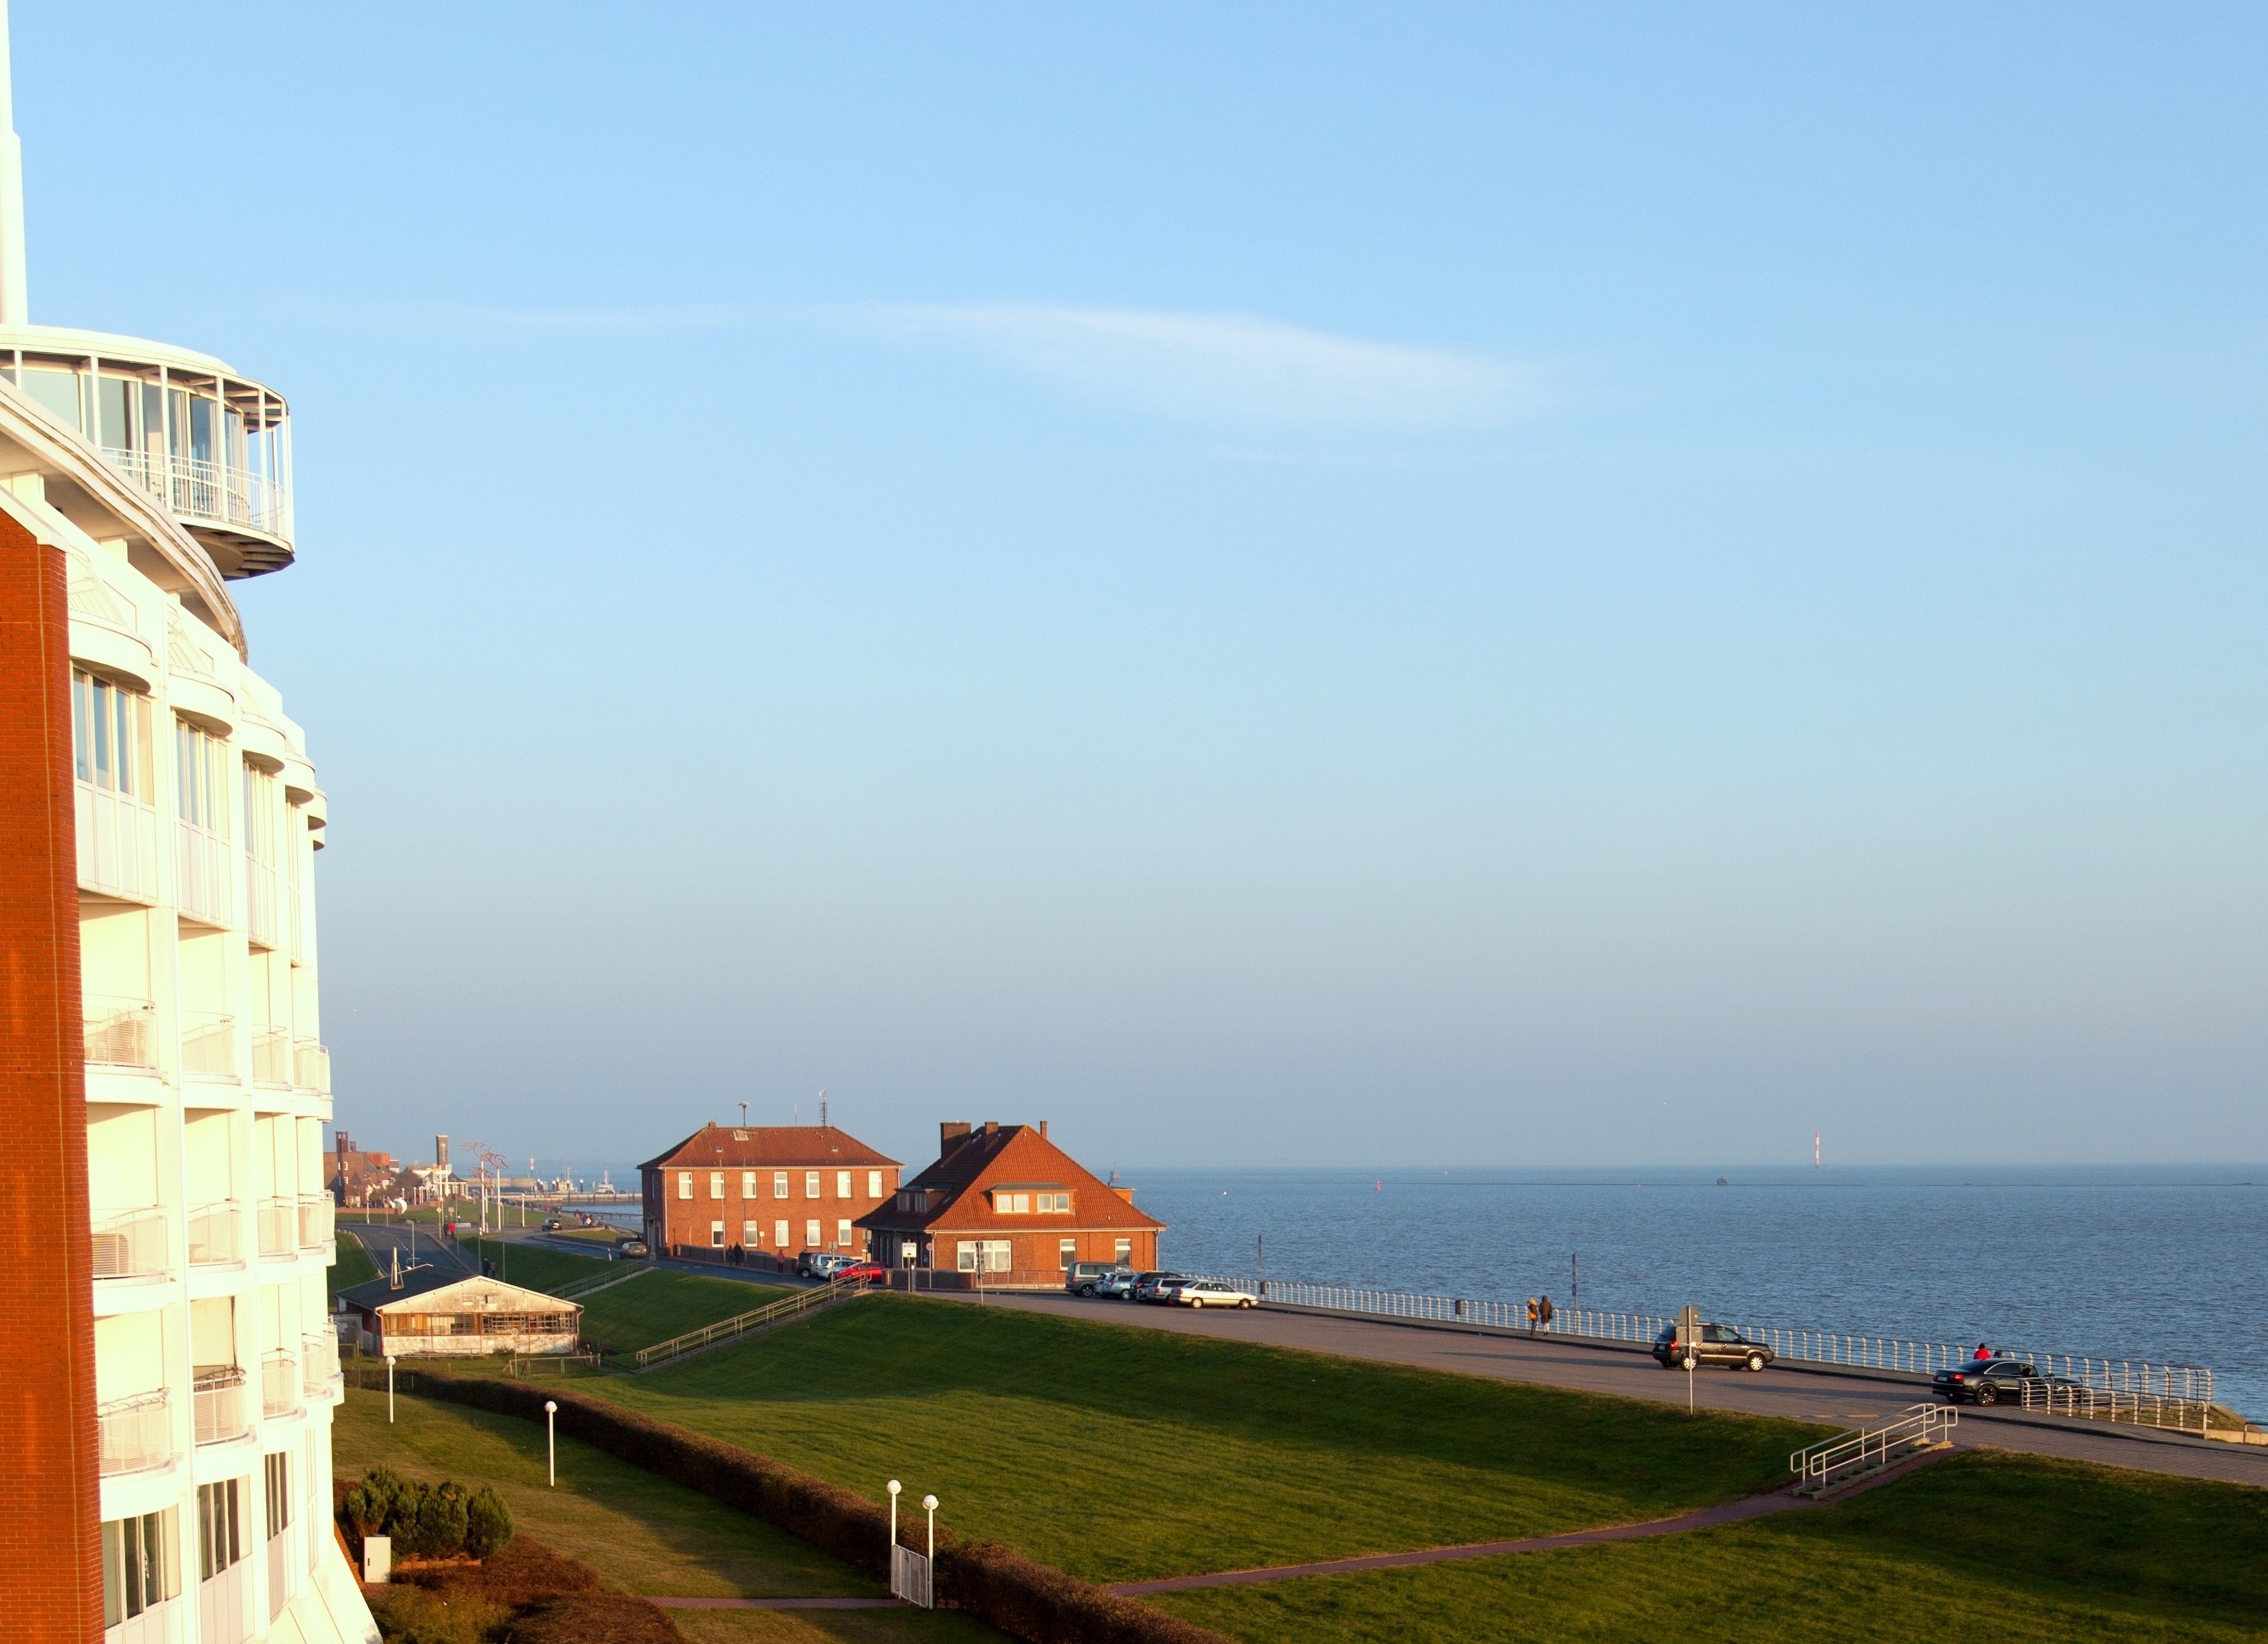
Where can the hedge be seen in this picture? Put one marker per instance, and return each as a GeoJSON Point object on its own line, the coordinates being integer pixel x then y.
{"type": "Point", "coordinates": [996, 1584]}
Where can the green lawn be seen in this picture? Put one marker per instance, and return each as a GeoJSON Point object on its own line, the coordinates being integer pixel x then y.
{"type": "Point", "coordinates": [353, 1265]}
{"type": "Point", "coordinates": [1982, 1544]}
{"type": "Point", "coordinates": [1119, 1453]}
{"type": "Point", "coordinates": [641, 1533]}
{"type": "Point", "coordinates": [658, 1304]}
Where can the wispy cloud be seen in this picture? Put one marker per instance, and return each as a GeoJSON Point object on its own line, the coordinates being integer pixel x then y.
{"type": "Point", "coordinates": [1234, 367]}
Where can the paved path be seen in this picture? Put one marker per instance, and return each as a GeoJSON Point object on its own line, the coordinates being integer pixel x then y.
{"type": "Point", "coordinates": [1834, 1400]}
{"type": "Point", "coordinates": [776, 1604]}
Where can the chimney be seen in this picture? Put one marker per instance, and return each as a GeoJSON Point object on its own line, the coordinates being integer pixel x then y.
{"type": "Point", "coordinates": [992, 1127]}
{"type": "Point", "coordinates": [950, 1136]}
{"type": "Point", "coordinates": [441, 1154]}
{"type": "Point", "coordinates": [1044, 1130]}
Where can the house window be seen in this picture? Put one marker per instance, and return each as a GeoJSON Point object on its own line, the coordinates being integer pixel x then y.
{"type": "Point", "coordinates": [843, 1235]}
{"type": "Point", "coordinates": [811, 1184]}
{"type": "Point", "coordinates": [685, 1184]}
{"type": "Point", "coordinates": [752, 1233]}
{"type": "Point", "coordinates": [747, 1184]}
{"type": "Point", "coordinates": [110, 737]}
{"type": "Point", "coordinates": [203, 769]}
{"type": "Point", "coordinates": [279, 1493]}
{"type": "Point", "coordinates": [716, 1236]}
{"type": "Point", "coordinates": [779, 1235]}
{"type": "Point", "coordinates": [842, 1184]}
{"type": "Point", "coordinates": [779, 1184]}
{"type": "Point", "coordinates": [873, 1185]}
{"type": "Point", "coordinates": [1055, 1203]}
{"type": "Point", "coordinates": [1125, 1252]}
{"type": "Point", "coordinates": [1012, 1204]}
{"type": "Point", "coordinates": [1067, 1253]}
{"type": "Point", "coordinates": [716, 1184]}
{"type": "Point", "coordinates": [138, 1569]}
{"type": "Point", "coordinates": [810, 1234]}
{"type": "Point", "coordinates": [990, 1255]}
{"type": "Point", "coordinates": [220, 1537]}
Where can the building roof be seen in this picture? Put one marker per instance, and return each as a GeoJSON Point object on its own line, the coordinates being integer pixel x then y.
{"type": "Point", "coordinates": [954, 1194]}
{"type": "Point", "coordinates": [732, 1147]}
{"type": "Point", "coordinates": [443, 1290]}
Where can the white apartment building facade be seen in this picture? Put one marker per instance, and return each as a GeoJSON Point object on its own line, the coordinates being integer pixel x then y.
{"type": "Point", "coordinates": [161, 473]}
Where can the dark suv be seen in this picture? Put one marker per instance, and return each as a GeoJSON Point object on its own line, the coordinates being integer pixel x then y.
{"type": "Point", "coordinates": [1986, 1382]}
{"type": "Point", "coordinates": [1720, 1344]}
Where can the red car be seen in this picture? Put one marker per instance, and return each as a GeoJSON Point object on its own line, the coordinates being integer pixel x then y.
{"type": "Point", "coordinates": [863, 1273]}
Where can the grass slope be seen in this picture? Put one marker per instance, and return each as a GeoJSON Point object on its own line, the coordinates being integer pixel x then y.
{"type": "Point", "coordinates": [625, 1317]}
{"type": "Point", "coordinates": [352, 1267]}
{"type": "Point", "coordinates": [641, 1533]}
{"type": "Point", "coordinates": [1984, 1544]}
{"type": "Point", "coordinates": [1118, 1454]}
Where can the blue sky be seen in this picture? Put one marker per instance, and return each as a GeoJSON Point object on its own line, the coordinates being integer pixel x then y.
{"type": "Point", "coordinates": [1300, 584]}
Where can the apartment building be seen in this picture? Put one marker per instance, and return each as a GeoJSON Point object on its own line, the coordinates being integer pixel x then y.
{"type": "Point", "coordinates": [764, 1192]}
{"type": "Point", "coordinates": [164, 1086]}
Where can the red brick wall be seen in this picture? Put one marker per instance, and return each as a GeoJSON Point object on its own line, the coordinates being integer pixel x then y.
{"type": "Point", "coordinates": [50, 1539]}
{"type": "Point", "coordinates": [686, 1220]}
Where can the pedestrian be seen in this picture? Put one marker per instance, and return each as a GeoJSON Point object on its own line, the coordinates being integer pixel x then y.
{"type": "Point", "coordinates": [1543, 1311]}
{"type": "Point", "coordinates": [1982, 1352]}
{"type": "Point", "coordinates": [1531, 1318]}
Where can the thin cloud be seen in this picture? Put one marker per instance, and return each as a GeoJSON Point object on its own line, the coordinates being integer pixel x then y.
{"type": "Point", "coordinates": [1234, 367]}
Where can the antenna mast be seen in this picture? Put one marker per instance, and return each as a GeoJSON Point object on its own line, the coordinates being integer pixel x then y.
{"type": "Point", "coordinates": [15, 305]}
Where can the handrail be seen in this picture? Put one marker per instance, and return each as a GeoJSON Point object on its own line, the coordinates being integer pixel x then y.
{"type": "Point", "coordinates": [725, 1330]}
{"type": "Point", "coordinates": [596, 1282]}
{"type": "Point", "coordinates": [1918, 1426]}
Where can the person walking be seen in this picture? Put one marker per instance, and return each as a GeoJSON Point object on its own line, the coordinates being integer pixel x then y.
{"type": "Point", "coordinates": [1531, 1318]}
{"type": "Point", "coordinates": [1543, 1311]}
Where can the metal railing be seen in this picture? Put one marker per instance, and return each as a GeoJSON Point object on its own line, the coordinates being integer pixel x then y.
{"type": "Point", "coordinates": [206, 491]}
{"type": "Point", "coordinates": [1819, 1467]}
{"type": "Point", "coordinates": [279, 1226]}
{"type": "Point", "coordinates": [120, 1032]}
{"type": "Point", "coordinates": [909, 1577]}
{"type": "Point", "coordinates": [135, 1434]}
{"type": "Point", "coordinates": [218, 1404]}
{"type": "Point", "coordinates": [311, 1066]}
{"type": "Point", "coordinates": [2062, 1396]}
{"type": "Point", "coordinates": [215, 1235]}
{"type": "Point", "coordinates": [130, 1244]}
{"type": "Point", "coordinates": [315, 1220]}
{"type": "Point", "coordinates": [320, 1361]}
{"type": "Point", "coordinates": [279, 1384]}
{"type": "Point", "coordinates": [208, 1044]}
{"type": "Point", "coordinates": [271, 1057]}
{"type": "Point", "coordinates": [714, 1335]}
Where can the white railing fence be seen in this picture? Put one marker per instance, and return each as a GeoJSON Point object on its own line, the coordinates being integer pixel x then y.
{"type": "Point", "coordinates": [216, 1404]}
{"type": "Point", "coordinates": [909, 1577]}
{"type": "Point", "coordinates": [1821, 1467]}
{"type": "Point", "coordinates": [205, 490]}
{"type": "Point", "coordinates": [120, 1032]}
{"type": "Point", "coordinates": [136, 1433]}
{"type": "Point", "coordinates": [130, 1243]}
{"type": "Point", "coordinates": [213, 1232]}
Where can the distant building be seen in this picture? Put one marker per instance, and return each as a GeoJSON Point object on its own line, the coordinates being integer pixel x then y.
{"type": "Point", "coordinates": [1006, 1202]}
{"type": "Point", "coordinates": [429, 1312]}
{"type": "Point", "coordinates": [772, 1191]}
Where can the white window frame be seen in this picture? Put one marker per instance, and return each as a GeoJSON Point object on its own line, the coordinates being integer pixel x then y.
{"type": "Point", "coordinates": [811, 1239]}
{"type": "Point", "coordinates": [1067, 1254]}
{"type": "Point", "coordinates": [843, 1237]}
{"type": "Point", "coordinates": [811, 1184]}
{"type": "Point", "coordinates": [780, 1235]}
{"type": "Point", "coordinates": [752, 1236]}
{"type": "Point", "coordinates": [747, 1184]}
{"type": "Point", "coordinates": [1012, 1204]}
{"type": "Point", "coordinates": [873, 1185]}
{"type": "Point", "coordinates": [716, 1236]}
{"type": "Point", "coordinates": [685, 1184]}
{"type": "Point", "coordinates": [779, 1184]}
{"type": "Point", "coordinates": [842, 1184]}
{"type": "Point", "coordinates": [716, 1184]}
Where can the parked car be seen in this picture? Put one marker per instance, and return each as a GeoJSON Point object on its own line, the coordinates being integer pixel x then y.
{"type": "Point", "coordinates": [1987, 1382]}
{"type": "Point", "coordinates": [1118, 1285]}
{"type": "Point", "coordinates": [552, 1224]}
{"type": "Point", "coordinates": [1148, 1286]}
{"type": "Point", "coordinates": [1085, 1278]}
{"type": "Point", "coordinates": [1209, 1293]}
{"type": "Point", "coordinates": [1720, 1344]}
{"type": "Point", "coordinates": [861, 1273]}
{"type": "Point", "coordinates": [822, 1263]}
{"type": "Point", "coordinates": [633, 1246]}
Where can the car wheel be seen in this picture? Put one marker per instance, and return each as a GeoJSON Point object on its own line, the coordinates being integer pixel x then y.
{"type": "Point", "coordinates": [1088, 1291]}
{"type": "Point", "coordinates": [1196, 1302]}
{"type": "Point", "coordinates": [1988, 1394]}
{"type": "Point", "coordinates": [1756, 1361]}
{"type": "Point", "coordinates": [1246, 1304]}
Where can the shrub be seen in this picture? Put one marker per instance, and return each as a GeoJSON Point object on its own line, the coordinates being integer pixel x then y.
{"type": "Point", "coordinates": [487, 1524]}
{"type": "Point", "coordinates": [594, 1618]}
{"type": "Point", "coordinates": [411, 1615]}
{"type": "Point", "coordinates": [441, 1520]}
{"type": "Point", "coordinates": [371, 1503]}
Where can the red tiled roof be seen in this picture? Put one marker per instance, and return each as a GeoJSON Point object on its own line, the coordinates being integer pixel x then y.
{"type": "Point", "coordinates": [727, 1148]}
{"type": "Point", "coordinates": [1012, 1155]}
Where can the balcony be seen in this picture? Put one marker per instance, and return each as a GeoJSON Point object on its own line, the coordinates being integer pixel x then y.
{"type": "Point", "coordinates": [311, 1066]}
{"type": "Point", "coordinates": [279, 1385]}
{"type": "Point", "coordinates": [279, 1226]}
{"type": "Point", "coordinates": [206, 493]}
{"type": "Point", "coordinates": [207, 1045]}
{"type": "Point", "coordinates": [215, 1235]}
{"type": "Point", "coordinates": [120, 1032]}
{"type": "Point", "coordinates": [204, 868]}
{"type": "Point", "coordinates": [217, 1404]}
{"type": "Point", "coordinates": [315, 1214]}
{"type": "Point", "coordinates": [271, 1057]}
{"type": "Point", "coordinates": [321, 1359]}
{"type": "Point", "coordinates": [130, 1244]}
{"type": "Point", "coordinates": [117, 845]}
{"type": "Point", "coordinates": [136, 1433]}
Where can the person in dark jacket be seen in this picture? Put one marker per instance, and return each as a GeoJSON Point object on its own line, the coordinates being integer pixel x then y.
{"type": "Point", "coordinates": [1543, 1311]}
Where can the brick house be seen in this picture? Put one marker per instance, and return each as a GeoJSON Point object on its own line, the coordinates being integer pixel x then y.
{"type": "Point", "coordinates": [1006, 1202]}
{"type": "Point", "coordinates": [769, 1192]}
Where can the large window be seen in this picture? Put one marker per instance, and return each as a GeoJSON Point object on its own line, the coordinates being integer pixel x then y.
{"type": "Point", "coordinates": [201, 762]}
{"type": "Point", "coordinates": [138, 1569]}
{"type": "Point", "coordinates": [1055, 1203]}
{"type": "Point", "coordinates": [842, 1184]}
{"type": "Point", "coordinates": [873, 1185]}
{"type": "Point", "coordinates": [1012, 1204]}
{"type": "Point", "coordinates": [990, 1255]}
{"type": "Point", "coordinates": [843, 1237]}
{"type": "Point", "coordinates": [747, 1184]}
{"type": "Point", "coordinates": [811, 1184]}
{"type": "Point", "coordinates": [685, 1184]}
{"type": "Point", "coordinates": [279, 1493]}
{"type": "Point", "coordinates": [110, 736]}
{"type": "Point", "coordinates": [752, 1234]}
{"type": "Point", "coordinates": [716, 1184]}
{"type": "Point", "coordinates": [780, 1239]}
{"type": "Point", "coordinates": [779, 1184]}
{"type": "Point", "coordinates": [811, 1239]}
{"type": "Point", "coordinates": [220, 1536]}
{"type": "Point", "coordinates": [259, 815]}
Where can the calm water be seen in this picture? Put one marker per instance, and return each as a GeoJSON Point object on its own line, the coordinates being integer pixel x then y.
{"type": "Point", "coordinates": [2165, 1263]}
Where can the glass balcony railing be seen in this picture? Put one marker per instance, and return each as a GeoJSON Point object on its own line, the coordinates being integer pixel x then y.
{"type": "Point", "coordinates": [279, 1384]}
{"type": "Point", "coordinates": [315, 1214]}
{"type": "Point", "coordinates": [271, 1057]}
{"type": "Point", "coordinates": [130, 1244]}
{"type": "Point", "coordinates": [279, 1226]}
{"type": "Point", "coordinates": [215, 1234]}
{"type": "Point", "coordinates": [207, 1045]}
{"type": "Point", "coordinates": [136, 1433]}
{"type": "Point", "coordinates": [120, 1032]}
{"type": "Point", "coordinates": [217, 1404]}
{"type": "Point", "coordinates": [319, 1363]}
{"type": "Point", "coordinates": [311, 1066]}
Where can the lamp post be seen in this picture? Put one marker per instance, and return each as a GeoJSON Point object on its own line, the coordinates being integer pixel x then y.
{"type": "Point", "coordinates": [929, 1504]}
{"type": "Point", "coordinates": [894, 1487]}
{"type": "Point", "coordinates": [550, 1442]}
{"type": "Point", "coordinates": [389, 1389]}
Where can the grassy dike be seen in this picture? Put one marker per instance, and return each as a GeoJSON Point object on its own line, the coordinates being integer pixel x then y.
{"type": "Point", "coordinates": [622, 1318]}
{"type": "Point", "coordinates": [1118, 1454]}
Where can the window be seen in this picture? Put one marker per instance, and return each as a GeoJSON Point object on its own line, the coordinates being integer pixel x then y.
{"type": "Point", "coordinates": [1012, 1204]}
{"type": "Point", "coordinates": [110, 736]}
{"type": "Point", "coordinates": [779, 1184]}
{"type": "Point", "coordinates": [873, 1185]}
{"type": "Point", "coordinates": [752, 1234]}
{"type": "Point", "coordinates": [1067, 1253]}
{"type": "Point", "coordinates": [279, 1493]}
{"type": "Point", "coordinates": [220, 1537]}
{"type": "Point", "coordinates": [779, 1235]}
{"type": "Point", "coordinates": [811, 1184]}
{"type": "Point", "coordinates": [842, 1184]}
{"type": "Point", "coordinates": [810, 1234]}
{"type": "Point", "coordinates": [1125, 1252]}
{"type": "Point", "coordinates": [716, 1184]}
{"type": "Point", "coordinates": [259, 815]}
{"type": "Point", "coordinates": [138, 1572]}
{"type": "Point", "coordinates": [843, 1236]}
{"type": "Point", "coordinates": [202, 768]}
{"type": "Point", "coordinates": [1055, 1203]}
{"type": "Point", "coordinates": [716, 1236]}
{"type": "Point", "coordinates": [747, 1184]}
{"type": "Point", "coordinates": [990, 1255]}
{"type": "Point", "coordinates": [685, 1184]}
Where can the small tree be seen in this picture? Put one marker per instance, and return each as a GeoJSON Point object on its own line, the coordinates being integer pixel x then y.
{"type": "Point", "coordinates": [488, 1522]}
{"type": "Point", "coordinates": [441, 1520]}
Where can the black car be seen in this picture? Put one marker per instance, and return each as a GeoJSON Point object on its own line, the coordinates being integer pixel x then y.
{"type": "Point", "coordinates": [1992, 1380]}
{"type": "Point", "coordinates": [1720, 1344]}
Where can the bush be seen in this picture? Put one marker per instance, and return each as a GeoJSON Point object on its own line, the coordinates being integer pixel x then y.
{"type": "Point", "coordinates": [372, 1502]}
{"type": "Point", "coordinates": [410, 1614]}
{"type": "Point", "coordinates": [426, 1520]}
{"type": "Point", "coordinates": [594, 1618]}
{"type": "Point", "coordinates": [487, 1524]}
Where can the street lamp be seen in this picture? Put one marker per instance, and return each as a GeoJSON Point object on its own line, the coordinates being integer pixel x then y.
{"type": "Point", "coordinates": [929, 1504]}
{"type": "Point", "coordinates": [550, 1442]}
{"type": "Point", "coordinates": [894, 1487]}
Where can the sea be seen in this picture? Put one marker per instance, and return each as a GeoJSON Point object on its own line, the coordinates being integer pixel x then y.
{"type": "Point", "coordinates": [2167, 1264]}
